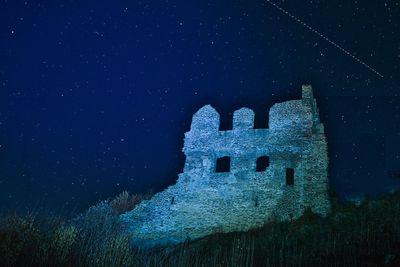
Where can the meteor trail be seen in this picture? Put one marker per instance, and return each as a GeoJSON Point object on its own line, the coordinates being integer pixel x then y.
{"type": "Point", "coordinates": [324, 37]}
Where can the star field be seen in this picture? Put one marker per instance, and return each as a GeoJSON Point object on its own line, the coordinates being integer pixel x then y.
{"type": "Point", "coordinates": [95, 97]}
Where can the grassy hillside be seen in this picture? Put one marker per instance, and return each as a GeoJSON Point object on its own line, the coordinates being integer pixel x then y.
{"type": "Point", "coordinates": [367, 235]}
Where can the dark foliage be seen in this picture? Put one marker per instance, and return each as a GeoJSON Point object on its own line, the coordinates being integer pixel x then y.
{"type": "Point", "coordinates": [395, 174]}
{"type": "Point", "coordinates": [367, 235]}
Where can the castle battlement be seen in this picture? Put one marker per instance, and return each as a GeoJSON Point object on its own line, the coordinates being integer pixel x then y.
{"type": "Point", "coordinates": [236, 180]}
{"type": "Point", "coordinates": [289, 115]}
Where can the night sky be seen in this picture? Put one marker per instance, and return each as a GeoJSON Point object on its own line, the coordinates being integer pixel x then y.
{"type": "Point", "coordinates": [95, 96]}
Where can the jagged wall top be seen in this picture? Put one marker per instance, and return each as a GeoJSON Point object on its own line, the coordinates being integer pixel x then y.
{"type": "Point", "coordinates": [294, 115]}
{"type": "Point", "coordinates": [243, 119]}
{"type": "Point", "coordinates": [205, 120]}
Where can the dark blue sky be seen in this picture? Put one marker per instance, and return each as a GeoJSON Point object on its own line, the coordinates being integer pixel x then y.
{"type": "Point", "coordinates": [95, 96]}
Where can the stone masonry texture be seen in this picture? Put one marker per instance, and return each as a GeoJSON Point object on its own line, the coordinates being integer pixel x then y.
{"type": "Point", "coordinates": [204, 201]}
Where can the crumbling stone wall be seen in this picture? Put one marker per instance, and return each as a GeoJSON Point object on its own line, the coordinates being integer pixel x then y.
{"type": "Point", "coordinates": [203, 201]}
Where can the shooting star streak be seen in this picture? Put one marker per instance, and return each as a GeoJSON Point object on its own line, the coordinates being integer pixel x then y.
{"type": "Point", "coordinates": [324, 37]}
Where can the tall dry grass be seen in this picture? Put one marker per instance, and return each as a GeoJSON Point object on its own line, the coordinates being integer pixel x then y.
{"type": "Point", "coordinates": [368, 235]}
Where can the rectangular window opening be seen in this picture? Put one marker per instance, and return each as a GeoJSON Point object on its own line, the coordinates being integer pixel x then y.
{"type": "Point", "coordinates": [289, 176]}
{"type": "Point", "coordinates": [223, 164]}
{"type": "Point", "coordinates": [262, 163]}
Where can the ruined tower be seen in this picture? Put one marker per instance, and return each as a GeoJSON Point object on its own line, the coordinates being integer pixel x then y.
{"type": "Point", "coordinates": [238, 179]}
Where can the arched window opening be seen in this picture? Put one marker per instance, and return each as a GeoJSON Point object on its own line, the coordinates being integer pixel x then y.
{"type": "Point", "coordinates": [289, 176]}
{"type": "Point", "coordinates": [223, 164]}
{"type": "Point", "coordinates": [262, 164]}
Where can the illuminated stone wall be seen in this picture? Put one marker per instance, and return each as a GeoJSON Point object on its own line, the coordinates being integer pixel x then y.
{"type": "Point", "coordinates": [204, 201]}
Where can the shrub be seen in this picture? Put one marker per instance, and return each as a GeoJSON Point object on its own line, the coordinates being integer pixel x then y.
{"type": "Point", "coordinates": [27, 240]}
{"type": "Point", "coordinates": [64, 238]}
{"type": "Point", "coordinates": [16, 234]}
{"type": "Point", "coordinates": [101, 239]}
{"type": "Point", "coordinates": [367, 235]}
{"type": "Point", "coordinates": [124, 202]}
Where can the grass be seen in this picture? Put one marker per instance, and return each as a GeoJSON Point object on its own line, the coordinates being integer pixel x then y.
{"type": "Point", "coordinates": [367, 235]}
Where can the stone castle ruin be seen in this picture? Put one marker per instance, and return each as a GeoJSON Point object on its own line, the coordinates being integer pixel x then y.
{"type": "Point", "coordinates": [239, 179]}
